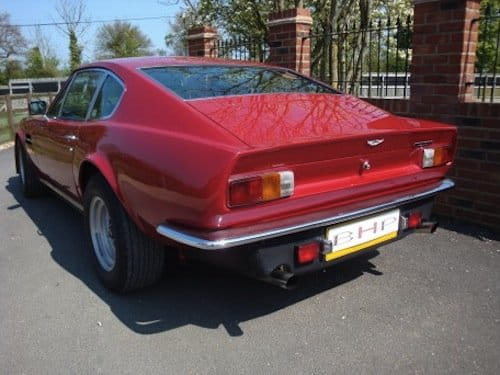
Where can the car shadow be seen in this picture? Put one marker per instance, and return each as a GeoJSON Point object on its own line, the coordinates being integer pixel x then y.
{"type": "Point", "coordinates": [479, 232]}
{"type": "Point", "coordinates": [196, 295]}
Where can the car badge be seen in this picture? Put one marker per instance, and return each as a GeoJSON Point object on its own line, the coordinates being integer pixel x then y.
{"type": "Point", "coordinates": [375, 142]}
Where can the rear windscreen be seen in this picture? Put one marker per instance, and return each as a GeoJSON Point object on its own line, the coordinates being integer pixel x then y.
{"type": "Point", "coordinates": [192, 82]}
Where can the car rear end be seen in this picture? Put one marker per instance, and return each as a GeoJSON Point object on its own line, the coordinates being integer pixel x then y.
{"type": "Point", "coordinates": [302, 216]}
{"type": "Point", "coordinates": [325, 177]}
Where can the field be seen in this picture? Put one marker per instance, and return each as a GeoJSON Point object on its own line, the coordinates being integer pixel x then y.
{"type": "Point", "coordinates": [4, 125]}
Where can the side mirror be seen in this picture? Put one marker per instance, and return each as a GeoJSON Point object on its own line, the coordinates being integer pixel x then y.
{"type": "Point", "coordinates": [37, 107]}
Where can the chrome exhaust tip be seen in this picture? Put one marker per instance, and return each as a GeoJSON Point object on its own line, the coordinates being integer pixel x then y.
{"type": "Point", "coordinates": [427, 227]}
{"type": "Point", "coordinates": [283, 279]}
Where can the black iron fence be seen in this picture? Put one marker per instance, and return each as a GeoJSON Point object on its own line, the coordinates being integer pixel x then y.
{"type": "Point", "coordinates": [487, 67]}
{"type": "Point", "coordinates": [370, 61]}
{"type": "Point", "coordinates": [243, 49]}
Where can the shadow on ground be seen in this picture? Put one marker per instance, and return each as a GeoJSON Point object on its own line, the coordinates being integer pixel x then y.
{"type": "Point", "coordinates": [476, 231]}
{"type": "Point", "coordinates": [197, 295]}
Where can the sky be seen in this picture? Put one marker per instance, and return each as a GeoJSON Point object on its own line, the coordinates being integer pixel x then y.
{"type": "Point", "coordinates": [43, 11]}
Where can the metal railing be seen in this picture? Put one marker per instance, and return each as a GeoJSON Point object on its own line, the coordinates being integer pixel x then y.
{"type": "Point", "coordinates": [243, 49]}
{"type": "Point", "coordinates": [357, 60]}
{"type": "Point", "coordinates": [487, 67]}
{"type": "Point", "coordinates": [15, 107]}
{"type": "Point", "coordinates": [35, 85]}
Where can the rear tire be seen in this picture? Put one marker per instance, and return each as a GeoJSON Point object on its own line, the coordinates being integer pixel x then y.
{"type": "Point", "coordinates": [30, 184]}
{"type": "Point", "coordinates": [124, 257]}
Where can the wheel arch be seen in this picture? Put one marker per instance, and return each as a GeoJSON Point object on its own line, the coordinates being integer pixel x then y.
{"type": "Point", "coordinates": [97, 165]}
{"type": "Point", "coordinates": [19, 140]}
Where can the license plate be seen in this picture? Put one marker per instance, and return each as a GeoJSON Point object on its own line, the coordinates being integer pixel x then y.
{"type": "Point", "coordinates": [362, 233]}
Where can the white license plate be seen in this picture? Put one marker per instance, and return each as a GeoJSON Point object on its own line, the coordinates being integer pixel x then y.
{"type": "Point", "coordinates": [362, 233]}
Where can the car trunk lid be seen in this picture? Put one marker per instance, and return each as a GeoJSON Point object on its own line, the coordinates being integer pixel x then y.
{"type": "Point", "coordinates": [268, 121]}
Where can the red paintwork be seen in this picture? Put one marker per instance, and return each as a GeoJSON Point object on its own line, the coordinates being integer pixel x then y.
{"type": "Point", "coordinates": [170, 160]}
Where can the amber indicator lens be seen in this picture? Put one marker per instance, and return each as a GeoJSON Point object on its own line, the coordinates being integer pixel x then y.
{"type": "Point", "coordinates": [434, 157]}
{"type": "Point", "coordinates": [271, 186]}
{"type": "Point", "coordinates": [440, 156]}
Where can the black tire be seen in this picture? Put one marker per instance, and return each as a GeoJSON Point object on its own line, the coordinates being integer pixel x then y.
{"type": "Point", "coordinates": [30, 184]}
{"type": "Point", "coordinates": [139, 260]}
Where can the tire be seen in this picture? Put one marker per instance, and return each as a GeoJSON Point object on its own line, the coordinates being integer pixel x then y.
{"type": "Point", "coordinates": [124, 257]}
{"type": "Point", "coordinates": [30, 184]}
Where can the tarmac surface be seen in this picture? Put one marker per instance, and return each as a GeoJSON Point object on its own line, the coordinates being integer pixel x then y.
{"type": "Point", "coordinates": [428, 304]}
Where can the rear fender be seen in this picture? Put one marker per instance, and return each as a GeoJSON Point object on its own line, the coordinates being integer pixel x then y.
{"type": "Point", "coordinates": [103, 166]}
{"type": "Point", "coordinates": [100, 164]}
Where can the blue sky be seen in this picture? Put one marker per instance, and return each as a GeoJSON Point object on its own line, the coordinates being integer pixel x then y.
{"type": "Point", "coordinates": [43, 11]}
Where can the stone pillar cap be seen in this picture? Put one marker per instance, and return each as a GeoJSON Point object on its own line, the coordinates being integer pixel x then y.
{"type": "Point", "coordinates": [202, 32]}
{"type": "Point", "coordinates": [295, 15]}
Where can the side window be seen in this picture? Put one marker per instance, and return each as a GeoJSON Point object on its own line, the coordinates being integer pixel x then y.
{"type": "Point", "coordinates": [80, 94]}
{"type": "Point", "coordinates": [107, 99]}
{"type": "Point", "coordinates": [55, 107]}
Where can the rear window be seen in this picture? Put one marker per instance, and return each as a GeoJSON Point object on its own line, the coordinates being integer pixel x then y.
{"type": "Point", "coordinates": [192, 82]}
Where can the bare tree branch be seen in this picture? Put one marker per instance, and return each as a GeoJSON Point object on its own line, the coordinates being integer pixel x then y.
{"type": "Point", "coordinates": [11, 40]}
{"type": "Point", "coordinates": [74, 14]}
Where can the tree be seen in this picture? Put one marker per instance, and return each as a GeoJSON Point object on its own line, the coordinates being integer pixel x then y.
{"type": "Point", "coordinates": [489, 32]}
{"type": "Point", "coordinates": [34, 63]}
{"type": "Point", "coordinates": [339, 49]}
{"type": "Point", "coordinates": [73, 13]}
{"type": "Point", "coordinates": [38, 67]}
{"type": "Point", "coordinates": [176, 39]}
{"type": "Point", "coordinates": [49, 63]}
{"type": "Point", "coordinates": [11, 40]}
{"type": "Point", "coordinates": [75, 51]}
{"type": "Point", "coordinates": [121, 39]}
{"type": "Point", "coordinates": [12, 69]}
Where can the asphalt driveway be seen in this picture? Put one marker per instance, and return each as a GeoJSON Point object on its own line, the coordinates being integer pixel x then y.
{"type": "Point", "coordinates": [426, 304]}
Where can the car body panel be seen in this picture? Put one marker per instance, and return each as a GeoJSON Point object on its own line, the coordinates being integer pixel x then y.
{"type": "Point", "coordinates": [169, 160]}
{"type": "Point", "coordinates": [264, 120]}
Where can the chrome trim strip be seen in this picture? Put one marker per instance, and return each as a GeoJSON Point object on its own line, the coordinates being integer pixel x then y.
{"type": "Point", "coordinates": [66, 197]}
{"type": "Point", "coordinates": [207, 244]}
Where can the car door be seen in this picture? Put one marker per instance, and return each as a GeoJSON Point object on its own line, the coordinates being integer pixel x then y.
{"type": "Point", "coordinates": [34, 128]}
{"type": "Point", "coordinates": [57, 138]}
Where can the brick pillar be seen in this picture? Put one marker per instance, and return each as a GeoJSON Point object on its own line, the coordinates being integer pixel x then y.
{"type": "Point", "coordinates": [444, 48]}
{"type": "Point", "coordinates": [202, 42]}
{"type": "Point", "coordinates": [289, 39]}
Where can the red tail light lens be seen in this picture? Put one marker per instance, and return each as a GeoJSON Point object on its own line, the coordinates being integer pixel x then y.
{"type": "Point", "coordinates": [262, 188]}
{"type": "Point", "coordinates": [307, 253]}
{"type": "Point", "coordinates": [414, 219]}
{"type": "Point", "coordinates": [245, 191]}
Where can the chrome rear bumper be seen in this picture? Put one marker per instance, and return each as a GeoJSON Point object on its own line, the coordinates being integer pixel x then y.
{"type": "Point", "coordinates": [231, 238]}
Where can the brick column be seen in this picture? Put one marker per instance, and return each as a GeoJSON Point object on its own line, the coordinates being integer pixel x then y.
{"type": "Point", "coordinates": [202, 42]}
{"type": "Point", "coordinates": [289, 39]}
{"type": "Point", "coordinates": [444, 48]}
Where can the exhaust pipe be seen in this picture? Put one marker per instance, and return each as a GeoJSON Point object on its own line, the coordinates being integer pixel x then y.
{"type": "Point", "coordinates": [427, 227]}
{"type": "Point", "coordinates": [283, 279]}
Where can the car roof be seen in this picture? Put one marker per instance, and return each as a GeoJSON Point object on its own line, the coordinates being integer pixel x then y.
{"type": "Point", "coordinates": [151, 61]}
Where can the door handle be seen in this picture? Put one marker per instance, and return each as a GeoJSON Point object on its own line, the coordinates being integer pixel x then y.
{"type": "Point", "coordinates": [28, 139]}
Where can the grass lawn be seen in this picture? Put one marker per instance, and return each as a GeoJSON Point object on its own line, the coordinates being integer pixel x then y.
{"type": "Point", "coordinates": [4, 125]}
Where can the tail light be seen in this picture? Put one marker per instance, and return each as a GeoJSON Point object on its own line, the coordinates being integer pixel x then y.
{"type": "Point", "coordinates": [307, 253]}
{"type": "Point", "coordinates": [261, 188]}
{"type": "Point", "coordinates": [414, 219]}
{"type": "Point", "coordinates": [436, 156]}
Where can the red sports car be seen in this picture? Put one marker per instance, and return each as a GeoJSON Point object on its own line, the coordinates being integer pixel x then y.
{"type": "Point", "coordinates": [244, 165]}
